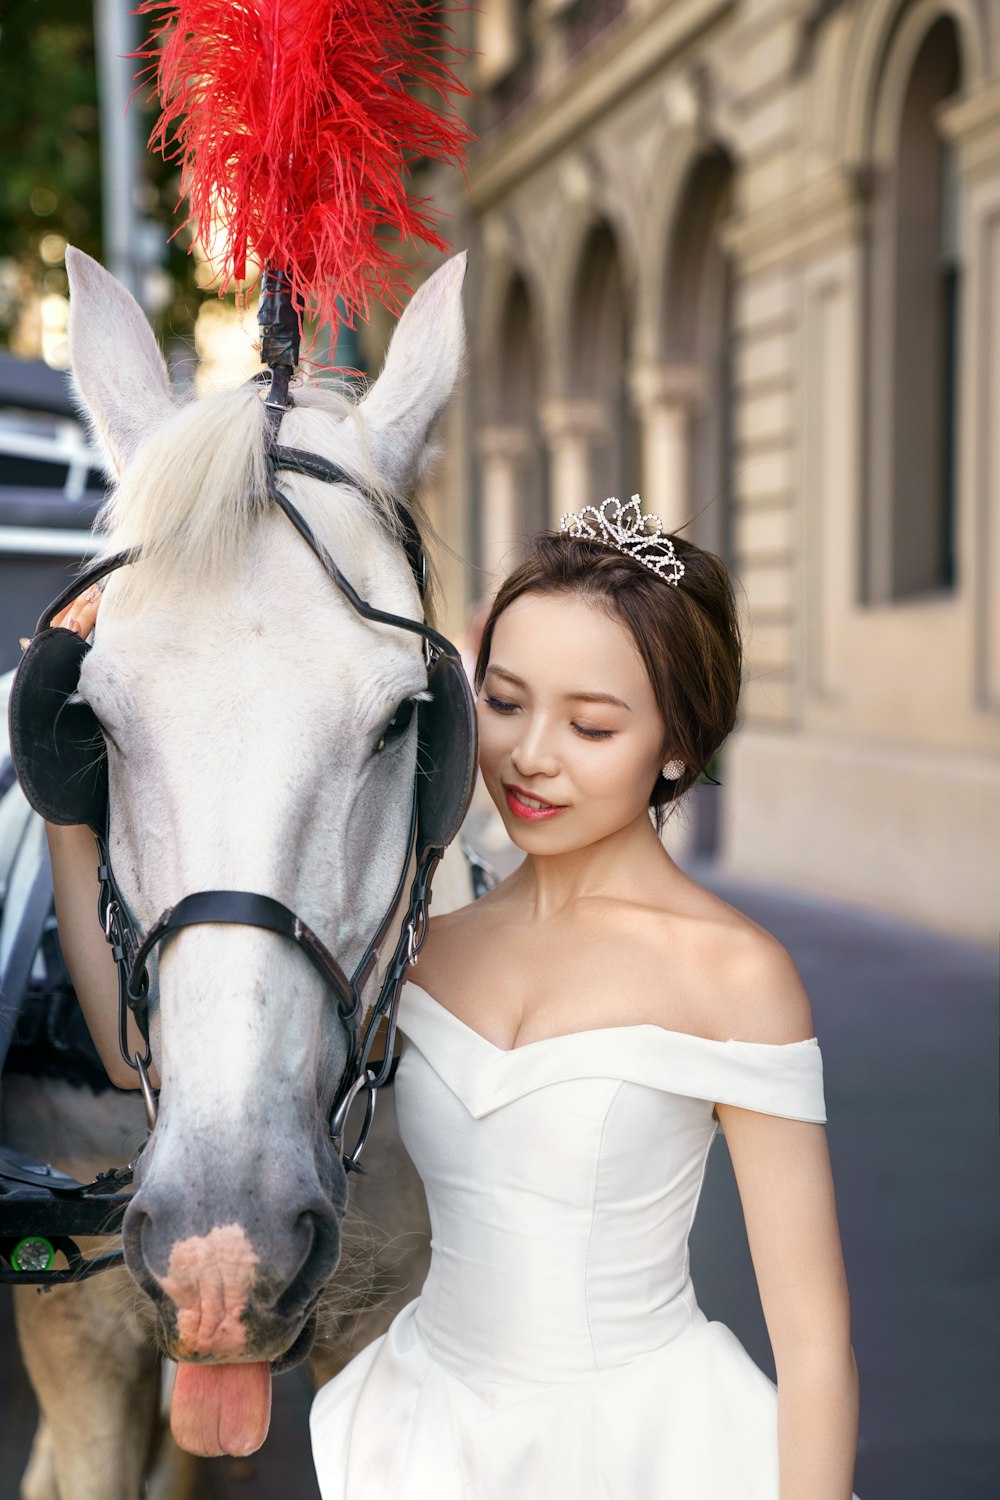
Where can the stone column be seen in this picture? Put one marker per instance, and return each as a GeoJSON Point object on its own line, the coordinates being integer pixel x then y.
{"type": "Point", "coordinates": [666, 396]}
{"type": "Point", "coordinates": [503, 450]}
{"type": "Point", "coordinates": [572, 426]}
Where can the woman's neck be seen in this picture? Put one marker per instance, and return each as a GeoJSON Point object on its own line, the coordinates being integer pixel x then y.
{"type": "Point", "coordinates": [619, 866]}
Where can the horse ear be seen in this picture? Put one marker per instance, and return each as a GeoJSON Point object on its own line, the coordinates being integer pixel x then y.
{"type": "Point", "coordinates": [118, 370]}
{"type": "Point", "coordinates": [419, 374]}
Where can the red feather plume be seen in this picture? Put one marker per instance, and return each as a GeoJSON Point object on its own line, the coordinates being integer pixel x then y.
{"type": "Point", "coordinates": [294, 122]}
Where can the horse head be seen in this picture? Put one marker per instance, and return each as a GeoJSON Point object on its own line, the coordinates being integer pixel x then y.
{"type": "Point", "coordinates": [261, 737]}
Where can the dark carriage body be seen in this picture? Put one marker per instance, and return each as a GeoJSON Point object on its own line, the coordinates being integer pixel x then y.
{"type": "Point", "coordinates": [43, 1034]}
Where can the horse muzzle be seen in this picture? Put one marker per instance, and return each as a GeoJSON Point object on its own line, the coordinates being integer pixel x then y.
{"type": "Point", "coordinates": [232, 1287]}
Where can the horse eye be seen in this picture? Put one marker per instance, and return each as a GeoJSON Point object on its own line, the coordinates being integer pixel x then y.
{"type": "Point", "coordinates": [398, 724]}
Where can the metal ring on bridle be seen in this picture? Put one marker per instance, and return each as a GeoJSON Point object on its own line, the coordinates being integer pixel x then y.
{"type": "Point", "coordinates": [148, 1093]}
{"type": "Point", "coordinates": [338, 1120]}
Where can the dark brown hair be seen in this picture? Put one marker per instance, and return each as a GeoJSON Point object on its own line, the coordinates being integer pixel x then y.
{"type": "Point", "coordinates": [687, 635]}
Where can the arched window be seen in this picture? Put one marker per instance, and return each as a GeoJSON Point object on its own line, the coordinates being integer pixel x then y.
{"type": "Point", "coordinates": [518, 406]}
{"type": "Point", "coordinates": [600, 355]}
{"type": "Point", "coordinates": [698, 338]}
{"type": "Point", "coordinates": [913, 332]}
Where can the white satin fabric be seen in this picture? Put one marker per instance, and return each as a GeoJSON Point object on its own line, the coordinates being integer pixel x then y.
{"type": "Point", "coordinates": [557, 1351]}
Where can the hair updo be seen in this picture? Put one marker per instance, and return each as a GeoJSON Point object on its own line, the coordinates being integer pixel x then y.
{"type": "Point", "coordinates": [687, 635]}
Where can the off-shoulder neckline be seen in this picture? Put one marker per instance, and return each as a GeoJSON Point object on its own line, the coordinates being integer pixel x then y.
{"type": "Point", "coordinates": [647, 1026]}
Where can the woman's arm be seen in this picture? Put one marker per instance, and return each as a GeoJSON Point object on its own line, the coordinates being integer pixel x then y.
{"type": "Point", "coordinates": [782, 1169]}
{"type": "Point", "coordinates": [783, 1173]}
{"type": "Point", "coordinates": [73, 851]}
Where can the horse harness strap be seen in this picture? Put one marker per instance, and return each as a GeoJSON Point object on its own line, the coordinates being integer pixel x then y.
{"type": "Point", "coordinates": [243, 907]}
{"type": "Point", "coordinates": [52, 742]}
{"type": "Point", "coordinates": [298, 461]}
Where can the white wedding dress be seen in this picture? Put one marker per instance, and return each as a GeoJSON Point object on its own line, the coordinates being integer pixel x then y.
{"type": "Point", "coordinates": [557, 1351]}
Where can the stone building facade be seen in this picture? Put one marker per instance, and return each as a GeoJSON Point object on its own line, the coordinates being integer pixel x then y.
{"type": "Point", "coordinates": [743, 256]}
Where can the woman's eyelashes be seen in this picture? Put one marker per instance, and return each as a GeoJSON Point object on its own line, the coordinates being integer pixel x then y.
{"type": "Point", "coordinates": [504, 706]}
{"type": "Point", "coordinates": [500, 705]}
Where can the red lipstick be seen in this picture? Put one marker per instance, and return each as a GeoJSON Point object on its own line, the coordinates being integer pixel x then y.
{"type": "Point", "coordinates": [530, 814]}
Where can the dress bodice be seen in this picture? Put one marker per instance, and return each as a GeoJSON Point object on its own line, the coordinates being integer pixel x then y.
{"type": "Point", "coordinates": [557, 1351]}
{"type": "Point", "coordinates": [562, 1179]}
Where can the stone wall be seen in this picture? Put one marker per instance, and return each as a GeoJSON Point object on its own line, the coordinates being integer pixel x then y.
{"type": "Point", "coordinates": [704, 267]}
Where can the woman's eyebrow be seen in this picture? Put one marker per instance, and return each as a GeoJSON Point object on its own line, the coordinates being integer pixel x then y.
{"type": "Point", "coordinates": [598, 698]}
{"type": "Point", "coordinates": [581, 697]}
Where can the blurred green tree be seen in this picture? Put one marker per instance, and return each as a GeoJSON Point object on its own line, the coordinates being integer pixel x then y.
{"type": "Point", "coordinates": [50, 145]}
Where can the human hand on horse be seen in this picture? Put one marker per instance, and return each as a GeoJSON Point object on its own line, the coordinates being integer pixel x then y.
{"type": "Point", "coordinates": [81, 614]}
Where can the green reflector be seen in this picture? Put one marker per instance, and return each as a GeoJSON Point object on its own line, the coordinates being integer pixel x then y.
{"type": "Point", "coordinates": [32, 1254]}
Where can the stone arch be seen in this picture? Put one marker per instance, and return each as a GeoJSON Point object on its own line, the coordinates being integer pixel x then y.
{"type": "Point", "coordinates": [500, 272]}
{"type": "Point", "coordinates": [679, 153]}
{"type": "Point", "coordinates": [683, 387]}
{"type": "Point", "coordinates": [697, 333]}
{"type": "Point", "coordinates": [911, 330]}
{"type": "Point", "coordinates": [879, 58]}
{"type": "Point", "coordinates": [520, 371]}
{"type": "Point", "coordinates": [509, 443]}
{"type": "Point", "coordinates": [692, 268]}
{"type": "Point", "coordinates": [591, 207]}
{"type": "Point", "coordinates": [599, 332]}
{"type": "Point", "coordinates": [598, 353]}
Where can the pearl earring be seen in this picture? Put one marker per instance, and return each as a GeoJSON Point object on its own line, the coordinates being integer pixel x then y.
{"type": "Point", "coordinates": [673, 770]}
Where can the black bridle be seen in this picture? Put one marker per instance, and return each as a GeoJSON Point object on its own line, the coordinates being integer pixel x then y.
{"type": "Point", "coordinates": [132, 949]}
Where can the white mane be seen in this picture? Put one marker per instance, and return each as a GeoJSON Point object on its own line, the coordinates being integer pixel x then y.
{"type": "Point", "coordinates": [192, 497]}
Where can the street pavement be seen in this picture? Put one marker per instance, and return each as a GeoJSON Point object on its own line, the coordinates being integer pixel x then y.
{"type": "Point", "coordinates": [908, 1024]}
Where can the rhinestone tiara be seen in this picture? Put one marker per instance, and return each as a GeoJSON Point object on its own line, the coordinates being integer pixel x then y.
{"type": "Point", "coordinates": [625, 528]}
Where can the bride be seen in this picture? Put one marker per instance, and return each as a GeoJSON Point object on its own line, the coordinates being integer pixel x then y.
{"type": "Point", "coordinates": [572, 1044]}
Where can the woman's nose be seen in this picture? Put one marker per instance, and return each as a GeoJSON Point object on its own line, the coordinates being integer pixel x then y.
{"type": "Point", "coordinates": [532, 755]}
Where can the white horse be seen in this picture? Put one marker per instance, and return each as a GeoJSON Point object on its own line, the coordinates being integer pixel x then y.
{"type": "Point", "coordinates": [244, 703]}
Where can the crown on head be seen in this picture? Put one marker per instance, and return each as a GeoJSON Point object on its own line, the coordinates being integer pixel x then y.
{"type": "Point", "coordinates": [628, 530]}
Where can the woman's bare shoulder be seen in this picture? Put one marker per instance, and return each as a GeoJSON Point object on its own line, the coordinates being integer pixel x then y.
{"type": "Point", "coordinates": [745, 981]}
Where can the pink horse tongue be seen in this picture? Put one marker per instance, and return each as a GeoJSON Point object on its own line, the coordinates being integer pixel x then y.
{"type": "Point", "coordinates": [221, 1409]}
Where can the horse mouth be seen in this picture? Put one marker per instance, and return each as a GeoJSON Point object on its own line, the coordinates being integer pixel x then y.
{"type": "Point", "coordinates": [300, 1348]}
{"type": "Point", "coordinates": [254, 1351]}
{"type": "Point", "coordinates": [224, 1408]}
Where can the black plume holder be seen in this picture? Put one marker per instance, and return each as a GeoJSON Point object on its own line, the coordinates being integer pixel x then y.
{"type": "Point", "coordinates": [280, 331]}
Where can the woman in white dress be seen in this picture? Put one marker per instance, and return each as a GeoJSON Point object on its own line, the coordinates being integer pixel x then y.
{"type": "Point", "coordinates": [572, 1043]}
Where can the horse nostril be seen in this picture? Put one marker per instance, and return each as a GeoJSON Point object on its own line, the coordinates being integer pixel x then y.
{"type": "Point", "coordinates": [137, 1247]}
{"type": "Point", "coordinates": [317, 1241]}
{"type": "Point", "coordinates": [305, 1233]}
{"type": "Point", "coordinates": [133, 1228]}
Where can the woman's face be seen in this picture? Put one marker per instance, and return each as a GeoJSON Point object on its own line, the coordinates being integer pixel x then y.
{"type": "Point", "coordinates": [567, 718]}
